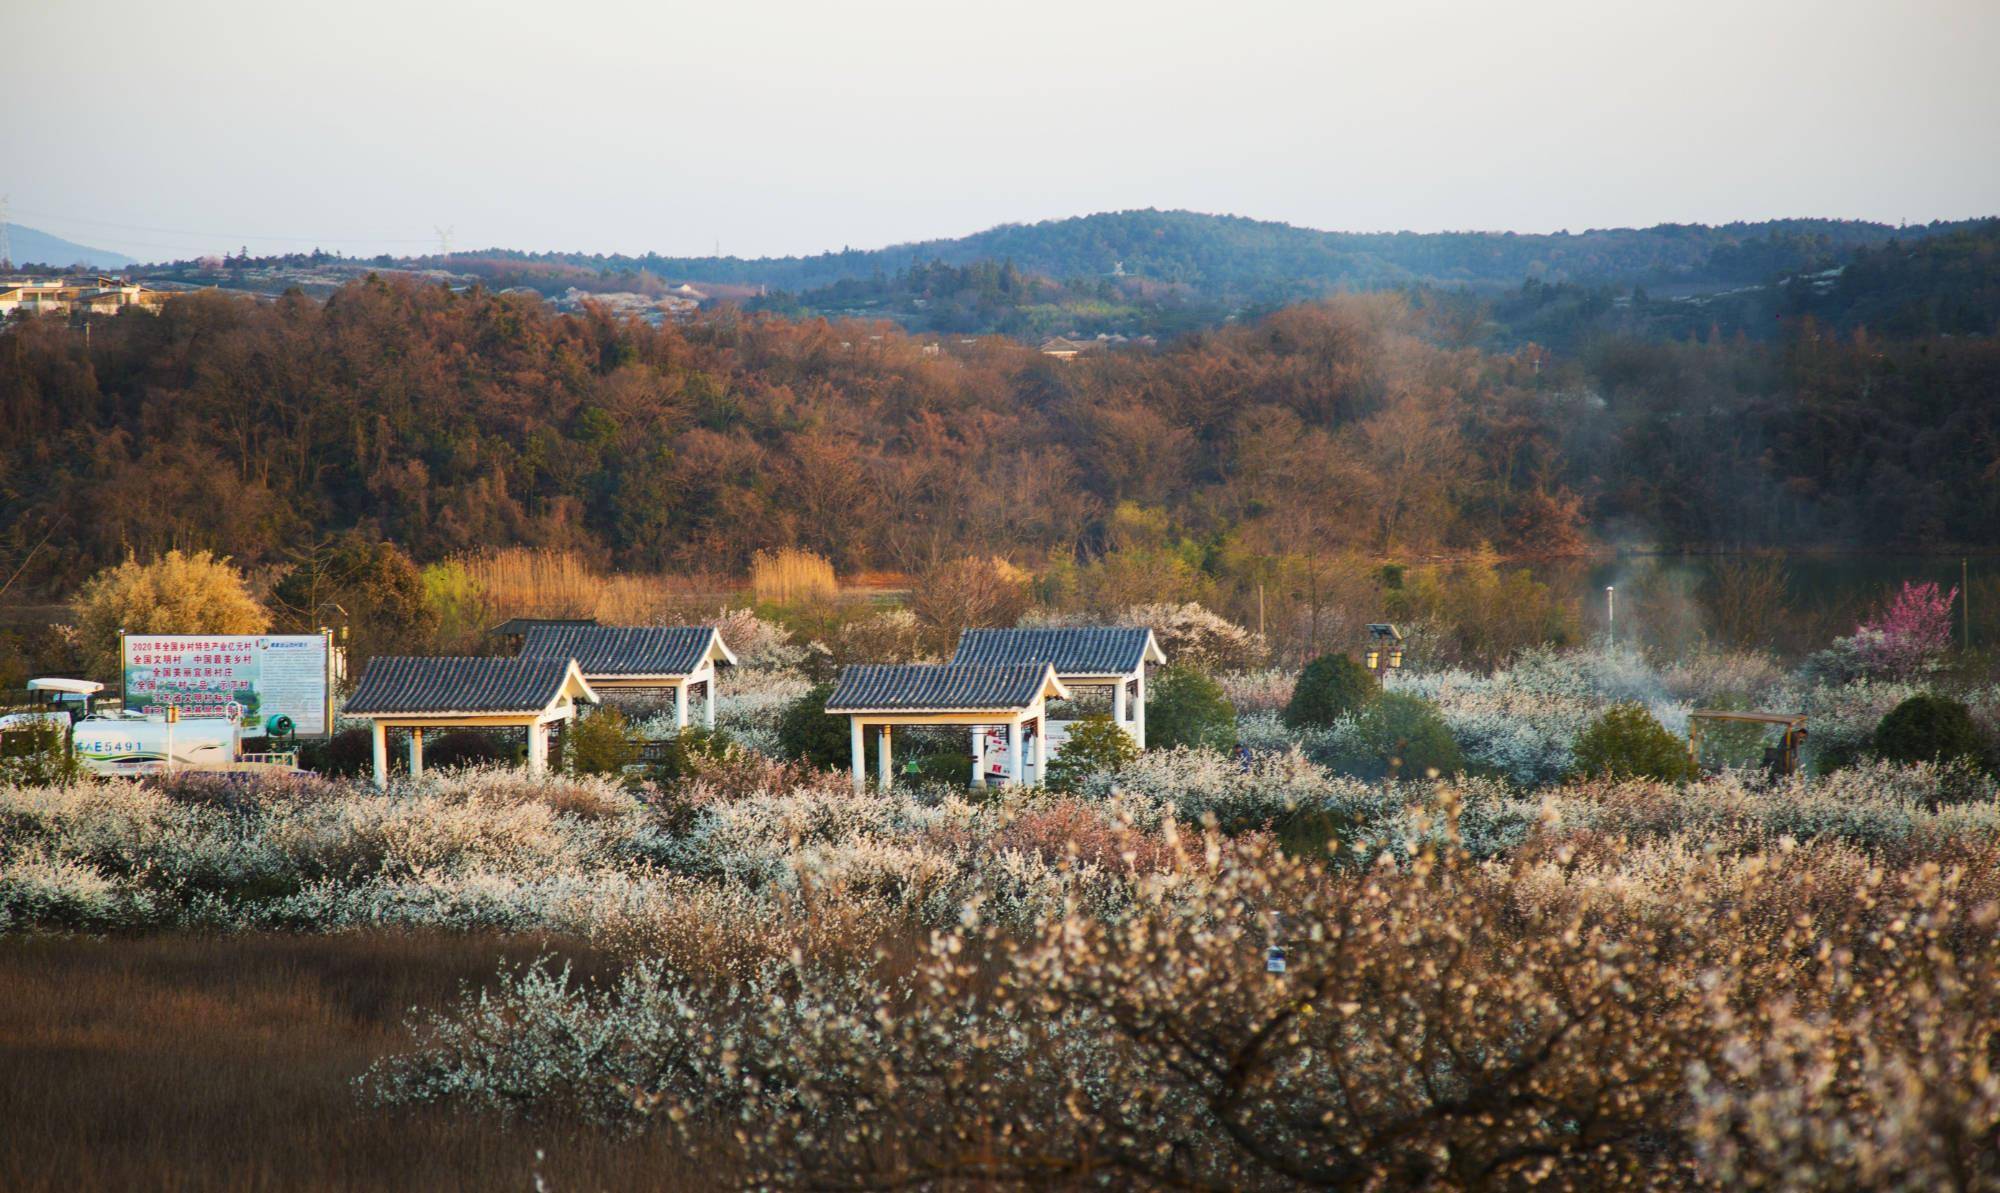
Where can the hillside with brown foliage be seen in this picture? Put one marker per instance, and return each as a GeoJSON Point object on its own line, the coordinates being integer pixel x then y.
{"type": "Point", "coordinates": [450, 422]}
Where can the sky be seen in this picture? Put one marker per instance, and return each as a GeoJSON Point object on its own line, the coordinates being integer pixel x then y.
{"type": "Point", "coordinates": [767, 127]}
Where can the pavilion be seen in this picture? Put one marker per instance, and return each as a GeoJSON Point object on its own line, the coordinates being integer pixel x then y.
{"type": "Point", "coordinates": [1014, 697]}
{"type": "Point", "coordinates": [421, 694]}
{"type": "Point", "coordinates": [1112, 657]}
{"type": "Point", "coordinates": [639, 659]}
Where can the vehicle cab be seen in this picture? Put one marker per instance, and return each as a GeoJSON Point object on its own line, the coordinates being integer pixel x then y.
{"type": "Point", "coordinates": [55, 693]}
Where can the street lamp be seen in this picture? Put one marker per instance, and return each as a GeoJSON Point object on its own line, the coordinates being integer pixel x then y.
{"type": "Point", "coordinates": [1610, 614]}
{"type": "Point", "coordinates": [1385, 650]}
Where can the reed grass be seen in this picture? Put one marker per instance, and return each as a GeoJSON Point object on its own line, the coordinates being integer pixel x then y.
{"type": "Point", "coordinates": [791, 575]}
{"type": "Point", "coordinates": [533, 582]}
{"type": "Point", "coordinates": [540, 582]}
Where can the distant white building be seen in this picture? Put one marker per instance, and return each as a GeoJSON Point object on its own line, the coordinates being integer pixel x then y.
{"type": "Point", "coordinates": [58, 296]}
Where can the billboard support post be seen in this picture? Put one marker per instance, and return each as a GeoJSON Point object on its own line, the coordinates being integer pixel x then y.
{"type": "Point", "coordinates": [327, 632]}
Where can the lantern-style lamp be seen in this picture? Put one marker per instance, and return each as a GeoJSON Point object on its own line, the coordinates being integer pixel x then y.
{"type": "Point", "coordinates": [1385, 647]}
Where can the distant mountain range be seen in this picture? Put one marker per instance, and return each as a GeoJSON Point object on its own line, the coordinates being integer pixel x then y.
{"type": "Point", "coordinates": [1162, 273]}
{"type": "Point", "coordinates": [28, 246]}
{"type": "Point", "coordinates": [1260, 260]}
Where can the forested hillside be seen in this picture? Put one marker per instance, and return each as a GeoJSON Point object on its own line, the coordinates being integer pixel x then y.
{"type": "Point", "coordinates": [449, 422]}
{"type": "Point", "coordinates": [1261, 259]}
{"type": "Point", "coordinates": [1907, 287]}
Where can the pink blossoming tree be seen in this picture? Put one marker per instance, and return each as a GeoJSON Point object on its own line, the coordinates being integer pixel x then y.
{"type": "Point", "coordinates": [1909, 633]}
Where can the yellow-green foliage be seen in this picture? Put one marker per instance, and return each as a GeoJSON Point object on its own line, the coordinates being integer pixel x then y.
{"type": "Point", "coordinates": [451, 590]}
{"type": "Point", "coordinates": [597, 744]}
{"type": "Point", "coordinates": [1095, 746]}
{"type": "Point", "coordinates": [1491, 614]}
{"type": "Point", "coordinates": [178, 593]}
{"type": "Point", "coordinates": [1627, 742]}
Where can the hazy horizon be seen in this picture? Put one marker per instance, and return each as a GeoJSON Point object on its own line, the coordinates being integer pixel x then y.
{"type": "Point", "coordinates": [687, 130]}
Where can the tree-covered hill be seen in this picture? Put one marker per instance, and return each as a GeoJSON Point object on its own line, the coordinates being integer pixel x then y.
{"type": "Point", "coordinates": [1261, 259]}
{"type": "Point", "coordinates": [1908, 287]}
{"type": "Point", "coordinates": [454, 420]}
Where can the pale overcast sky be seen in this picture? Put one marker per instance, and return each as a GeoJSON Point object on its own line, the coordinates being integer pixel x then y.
{"type": "Point", "coordinates": [166, 129]}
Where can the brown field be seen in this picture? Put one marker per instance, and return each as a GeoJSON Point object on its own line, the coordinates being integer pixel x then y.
{"type": "Point", "coordinates": [188, 1062]}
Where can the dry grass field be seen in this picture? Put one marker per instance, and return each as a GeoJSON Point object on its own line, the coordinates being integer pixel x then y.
{"type": "Point", "coordinates": [185, 1062]}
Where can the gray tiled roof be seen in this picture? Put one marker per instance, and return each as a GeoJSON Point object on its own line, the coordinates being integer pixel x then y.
{"type": "Point", "coordinates": [394, 684]}
{"type": "Point", "coordinates": [927, 687]}
{"type": "Point", "coordinates": [514, 627]}
{"type": "Point", "coordinates": [621, 650]}
{"type": "Point", "coordinates": [1085, 650]}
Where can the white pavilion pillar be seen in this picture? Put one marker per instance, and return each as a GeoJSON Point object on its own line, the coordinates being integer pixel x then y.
{"type": "Point", "coordinates": [416, 752]}
{"type": "Point", "coordinates": [681, 705]}
{"type": "Point", "coordinates": [538, 748]}
{"type": "Point", "coordinates": [1139, 708]}
{"type": "Point", "coordinates": [860, 744]}
{"type": "Point", "coordinates": [1120, 709]}
{"type": "Point", "coordinates": [708, 709]}
{"type": "Point", "coordinates": [979, 755]}
{"type": "Point", "coordinates": [1042, 748]}
{"type": "Point", "coordinates": [1014, 759]}
{"type": "Point", "coordinates": [884, 775]}
{"type": "Point", "coordinates": [379, 733]}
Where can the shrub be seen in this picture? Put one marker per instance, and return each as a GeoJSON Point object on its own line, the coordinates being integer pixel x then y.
{"type": "Point", "coordinates": [1404, 737]}
{"type": "Point", "coordinates": [464, 747]}
{"type": "Point", "coordinates": [1627, 742]}
{"type": "Point", "coordinates": [1331, 687]}
{"type": "Point", "coordinates": [598, 744]}
{"type": "Point", "coordinates": [1184, 707]}
{"type": "Point", "coordinates": [345, 754]}
{"type": "Point", "coordinates": [1096, 745]}
{"type": "Point", "coordinates": [806, 731]}
{"type": "Point", "coordinates": [1928, 728]}
{"type": "Point", "coordinates": [691, 752]}
{"type": "Point", "coordinates": [178, 593]}
{"type": "Point", "coordinates": [949, 767]}
{"type": "Point", "coordinates": [38, 754]}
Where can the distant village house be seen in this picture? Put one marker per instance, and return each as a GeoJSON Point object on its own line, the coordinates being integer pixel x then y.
{"type": "Point", "coordinates": [60, 296]}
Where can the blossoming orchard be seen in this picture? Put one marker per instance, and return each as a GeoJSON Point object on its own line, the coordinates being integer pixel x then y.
{"type": "Point", "coordinates": [1509, 969]}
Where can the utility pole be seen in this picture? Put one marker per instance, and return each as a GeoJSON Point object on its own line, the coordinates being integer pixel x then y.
{"type": "Point", "coordinates": [1965, 598]}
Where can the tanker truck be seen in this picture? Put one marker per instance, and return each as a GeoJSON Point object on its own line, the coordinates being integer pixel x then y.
{"type": "Point", "coordinates": [130, 743]}
{"type": "Point", "coordinates": [143, 746]}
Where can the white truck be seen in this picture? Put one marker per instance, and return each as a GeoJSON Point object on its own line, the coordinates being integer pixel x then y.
{"type": "Point", "coordinates": [131, 743]}
{"type": "Point", "coordinates": [149, 745]}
